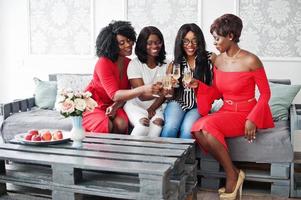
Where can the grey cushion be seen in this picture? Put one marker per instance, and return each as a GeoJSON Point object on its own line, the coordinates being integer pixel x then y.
{"type": "Point", "coordinates": [282, 97]}
{"type": "Point", "coordinates": [45, 93]}
{"type": "Point", "coordinates": [271, 145]}
{"type": "Point", "coordinates": [34, 119]}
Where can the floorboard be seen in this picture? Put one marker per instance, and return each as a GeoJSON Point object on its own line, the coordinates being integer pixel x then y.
{"type": "Point", "coordinates": [247, 195]}
{"type": "Point", "coordinates": [202, 195]}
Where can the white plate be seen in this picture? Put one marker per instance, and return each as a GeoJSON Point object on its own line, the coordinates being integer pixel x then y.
{"type": "Point", "coordinates": [21, 138]}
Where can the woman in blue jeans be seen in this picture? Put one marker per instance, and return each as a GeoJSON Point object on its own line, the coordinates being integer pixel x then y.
{"type": "Point", "coordinates": [190, 54]}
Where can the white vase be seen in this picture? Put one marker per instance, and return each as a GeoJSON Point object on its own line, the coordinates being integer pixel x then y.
{"type": "Point", "coordinates": [77, 133]}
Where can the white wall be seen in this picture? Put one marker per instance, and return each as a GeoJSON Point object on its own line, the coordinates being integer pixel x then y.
{"type": "Point", "coordinates": [211, 9]}
{"type": "Point", "coordinates": [18, 68]}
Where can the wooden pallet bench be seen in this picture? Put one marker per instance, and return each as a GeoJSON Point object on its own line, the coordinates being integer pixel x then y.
{"type": "Point", "coordinates": [296, 165]}
{"type": "Point", "coordinates": [275, 175]}
{"type": "Point", "coordinates": [283, 177]}
{"type": "Point", "coordinates": [108, 165]}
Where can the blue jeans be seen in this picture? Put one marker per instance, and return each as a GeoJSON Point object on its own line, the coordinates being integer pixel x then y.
{"type": "Point", "coordinates": [178, 121]}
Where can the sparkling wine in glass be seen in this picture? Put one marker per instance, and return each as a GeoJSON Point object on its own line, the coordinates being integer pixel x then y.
{"type": "Point", "coordinates": [167, 83]}
{"type": "Point", "coordinates": [158, 80]}
{"type": "Point", "coordinates": [176, 73]}
{"type": "Point", "coordinates": [187, 77]}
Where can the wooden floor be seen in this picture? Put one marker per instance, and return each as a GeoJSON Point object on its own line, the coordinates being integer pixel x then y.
{"type": "Point", "coordinates": [202, 195]}
{"type": "Point", "coordinates": [247, 195]}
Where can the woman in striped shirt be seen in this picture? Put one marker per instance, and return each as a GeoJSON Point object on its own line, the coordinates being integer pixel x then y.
{"type": "Point", "coordinates": [190, 53]}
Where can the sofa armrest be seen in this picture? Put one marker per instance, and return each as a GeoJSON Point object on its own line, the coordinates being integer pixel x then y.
{"type": "Point", "coordinates": [20, 105]}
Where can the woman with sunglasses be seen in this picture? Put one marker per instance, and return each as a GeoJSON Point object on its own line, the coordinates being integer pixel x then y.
{"type": "Point", "coordinates": [190, 54]}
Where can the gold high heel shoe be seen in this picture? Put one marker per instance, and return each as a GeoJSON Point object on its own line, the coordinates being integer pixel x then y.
{"type": "Point", "coordinates": [237, 190]}
{"type": "Point", "coordinates": [221, 190]}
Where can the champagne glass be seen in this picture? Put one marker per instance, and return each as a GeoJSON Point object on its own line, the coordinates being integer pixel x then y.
{"type": "Point", "coordinates": [187, 77]}
{"type": "Point", "coordinates": [167, 83]}
{"type": "Point", "coordinates": [176, 73]}
{"type": "Point", "coordinates": [158, 80]}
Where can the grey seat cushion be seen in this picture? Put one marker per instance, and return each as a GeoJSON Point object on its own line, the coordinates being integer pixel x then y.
{"type": "Point", "coordinates": [33, 119]}
{"type": "Point", "coordinates": [271, 145]}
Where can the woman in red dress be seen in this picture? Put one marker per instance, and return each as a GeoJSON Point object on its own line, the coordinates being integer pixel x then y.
{"type": "Point", "coordinates": [110, 87]}
{"type": "Point", "coordinates": [236, 72]}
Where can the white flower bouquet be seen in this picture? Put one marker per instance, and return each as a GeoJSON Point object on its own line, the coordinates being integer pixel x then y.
{"type": "Point", "coordinates": [75, 103]}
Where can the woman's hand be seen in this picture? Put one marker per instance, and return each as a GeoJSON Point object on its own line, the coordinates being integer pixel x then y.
{"type": "Point", "coordinates": [193, 83]}
{"type": "Point", "coordinates": [152, 89]}
{"type": "Point", "coordinates": [149, 89]}
{"type": "Point", "coordinates": [111, 111]}
{"type": "Point", "coordinates": [151, 112]}
{"type": "Point", "coordinates": [174, 82]}
{"type": "Point", "coordinates": [250, 131]}
{"type": "Point", "coordinates": [212, 56]}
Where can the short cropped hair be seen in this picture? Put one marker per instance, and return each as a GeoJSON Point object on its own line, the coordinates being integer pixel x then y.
{"type": "Point", "coordinates": [141, 45]}
{"type": "Point", "coordinates": [106, 42]}
{"type": "Point", "coordinates": [227, 24]}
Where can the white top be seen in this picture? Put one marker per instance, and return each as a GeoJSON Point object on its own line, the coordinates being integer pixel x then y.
{"type": "Point", "coordinates": [137, 69]}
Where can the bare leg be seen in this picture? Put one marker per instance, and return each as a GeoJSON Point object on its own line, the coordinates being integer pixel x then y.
{"type": "Point", "coordinates": [218, 151]}
{"type": "Point", "coordinates": [120, 125]}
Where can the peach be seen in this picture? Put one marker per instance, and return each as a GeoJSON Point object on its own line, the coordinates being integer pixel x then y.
{"type": "Point", "coordinates": [36, 138]}
{"type": "Point", "coordinates": [46, 136]}
{"type": "Point", "coordinates": [28, 136]}
{"type": "Point", "coordinates": [57, 135]}
{"type": "Point", "coordinates": [33, 132]}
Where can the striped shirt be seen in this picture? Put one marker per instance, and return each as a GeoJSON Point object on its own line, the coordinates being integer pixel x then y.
{"type": "Point", "coordinates": [186, 99]}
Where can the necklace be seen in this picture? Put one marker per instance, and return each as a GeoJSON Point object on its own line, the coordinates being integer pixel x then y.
{"type": "Point", "coordinates": [236, 54]}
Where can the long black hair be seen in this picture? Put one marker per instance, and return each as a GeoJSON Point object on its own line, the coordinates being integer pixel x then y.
{"type": "Point", "coordinates": [203, 70]}
{"type": "Point", "coordinates": [106, 42]}
{"type": "Point", "coordinates": [141, 45]}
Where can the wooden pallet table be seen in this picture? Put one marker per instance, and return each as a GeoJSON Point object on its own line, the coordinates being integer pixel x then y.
{"type": "Point", "coordinates": [108, 165]}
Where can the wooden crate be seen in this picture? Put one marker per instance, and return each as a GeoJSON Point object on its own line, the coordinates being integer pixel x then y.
{"type": "Point", "coordinates": [116, 166]}
{"type": "Point", "coordinates": [296, 138]}
{"type": "Point", "coordinates": [276, 175]}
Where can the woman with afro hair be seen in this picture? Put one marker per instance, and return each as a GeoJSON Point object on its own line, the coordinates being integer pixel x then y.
{"type": "Point", "coordinates": [110, 86]}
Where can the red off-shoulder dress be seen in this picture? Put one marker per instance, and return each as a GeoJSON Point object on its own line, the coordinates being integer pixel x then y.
{"type": "Point", "coordinates": [105, 83]}
{"type": "Point", "coordinates": [238, 92]}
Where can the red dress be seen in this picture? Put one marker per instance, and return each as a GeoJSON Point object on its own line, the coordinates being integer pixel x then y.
{"type": "Point", "coordinates": [105, 83]}
{"type": "Point", "coordinates": [238, 92]}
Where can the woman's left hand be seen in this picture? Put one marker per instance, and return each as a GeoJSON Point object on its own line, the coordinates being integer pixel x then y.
{"type": "Point", "coordinates": [151, 113]}
{"type": "Point", "coordinates": [211, 56]}
{"type": "Point", "coordinates": [250, 131]}
{"type": "Point", "coordinates": [193, 83]}
{"type": "Point", "coordinates": [111, 111]}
